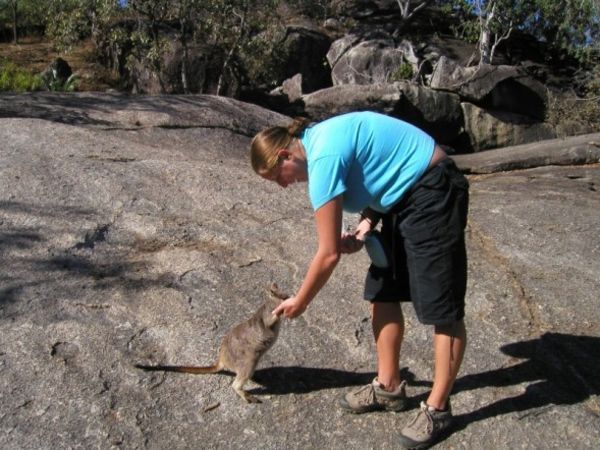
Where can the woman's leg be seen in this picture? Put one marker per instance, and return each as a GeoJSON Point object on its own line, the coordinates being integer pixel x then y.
{"type": "Point", "coordinates": [388, 329]}
{"type": "Point", "coordinates": [449, 342]}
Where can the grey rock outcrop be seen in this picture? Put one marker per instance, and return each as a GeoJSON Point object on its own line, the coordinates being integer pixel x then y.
{"type": "Point", "coordinates": [472, 83]}
{"type": "Point", "coordinates": [355, 60]}
{"type": "Point", "coordinates": [133, 230]}
{"type": "Point", "coordinates": [502, 88]}
{"type": "Point", "coordinates": [437, 112]}
{"type": "Point", "coordinates": [306, 49]}
{"type": "Point", "coordinates": [495, 129]}
{"type": "Point", "coordinates": [291, 89]}
{"type": "Point", "coordinates": [366, 44]}
{"type": "Point", "coordinates": [501, 105]}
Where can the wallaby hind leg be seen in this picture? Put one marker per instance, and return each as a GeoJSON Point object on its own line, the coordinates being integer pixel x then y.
{"type": "Point", "coordinates": [238, 387]}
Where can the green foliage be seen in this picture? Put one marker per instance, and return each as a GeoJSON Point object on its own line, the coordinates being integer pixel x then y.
{"type": "Point", "coordinates": [55, 84]}
{"type": "Point", "coordinates": [15, 79]}
{"type": "Point", "coordinates": [593, 85]}
{"type": "Point", "coordinates": [263, 57]}
{"type": "Point", "coordinates": [317, 9]}
{"type": "Point", "coordinates": [69, 25]}
{"type": "Point", "coordinates": [568, 27]}
{"type": "Point", "coordinates": [403, 72]}
{"type": "Point", "coordinates": [70, 21]}
{"type": "Point", "coordinates": [21, 16]}
{"type": "Point", "coordinates": [465, 25]}
{"type": "Point", "coordinates": [30, 12]}
{"type": "Point", "coordinates": [238, 35]}
{"type": "Point", "coordinates": [262, 64]}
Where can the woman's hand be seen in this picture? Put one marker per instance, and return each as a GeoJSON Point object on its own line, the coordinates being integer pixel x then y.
{"type": "Point", "coordinates": [290, 308]}
{"type": "Point", "coordinates": [351, 243]}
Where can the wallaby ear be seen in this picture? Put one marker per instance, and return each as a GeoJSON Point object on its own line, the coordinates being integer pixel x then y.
{"type": "Point", "coordinates": [276, 292]}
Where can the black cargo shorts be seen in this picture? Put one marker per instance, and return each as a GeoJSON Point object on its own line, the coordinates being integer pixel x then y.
{"type": "Point", "coordinates": [424, 234]}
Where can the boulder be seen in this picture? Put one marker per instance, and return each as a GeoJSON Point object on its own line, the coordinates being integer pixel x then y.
{"type": "Point", "coordinates": [306, 49]}
{"type": "Point", "coordinates": [371, 61]}
{"type": "Point", "coordinates": [340, 46]}
{"type": "Point", "coordinates": [472, 83]}
{"type": "Point", "coordinates": [292, 88]}
{"type": "Point", "coordinates": [56, 74]}
{"type": "Point", "coordinates": [436, 112]}
{"type": "Point", "coordinates": [492, 129]}
{"type": "Point", "coordinates": [494, 87]}
{"type": "Point", "coordinates": [361, 9]}
{"type": "Point", "coordinates": [345, 98]}
{"type": "Point", "coordinates": [520, 95]}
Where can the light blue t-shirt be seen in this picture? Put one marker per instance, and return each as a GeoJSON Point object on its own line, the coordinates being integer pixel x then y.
{"type": "Point", "coordinates": [370, 158]}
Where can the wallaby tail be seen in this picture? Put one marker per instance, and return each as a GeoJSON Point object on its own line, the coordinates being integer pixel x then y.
{"type": "Point", "coordinates": [183, 369]}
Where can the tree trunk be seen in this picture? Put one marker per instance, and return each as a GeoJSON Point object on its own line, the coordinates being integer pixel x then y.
{"type": "Point", "coordinates": [14, 5]}
{"type": "Point", "coordinates": [485, 38]}
{"type": "Point", "coordinates": [184, 60]}
{"type": "Point", "coordinates": [234, 47]}
{"type": "Point", "coordinates": [485, 46]}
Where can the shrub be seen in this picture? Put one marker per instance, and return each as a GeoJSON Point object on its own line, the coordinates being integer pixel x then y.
{"type": "Point", "coordinates": [13, 78]}
{"type": "Point", "coordinates": [53, 83]}
{"type": "Point", "coordinates": [571, 112]}
{"type": "Point", "coordinates": [403, 72]}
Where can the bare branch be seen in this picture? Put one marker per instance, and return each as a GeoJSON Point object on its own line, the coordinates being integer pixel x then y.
{"type": "Point", "coordinates": [499, 39]}
{"type": "Point", "coordinates": [405, 8]}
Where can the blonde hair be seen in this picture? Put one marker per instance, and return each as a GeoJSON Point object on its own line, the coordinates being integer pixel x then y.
{"type": "Point", "coordinates": [264, 146]}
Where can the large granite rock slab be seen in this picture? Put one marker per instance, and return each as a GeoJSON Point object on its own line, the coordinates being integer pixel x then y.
{"type": "Point", "coordinates": [123, 243]}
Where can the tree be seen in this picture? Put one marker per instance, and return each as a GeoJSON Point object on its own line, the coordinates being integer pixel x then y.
{"type": "Point", "coordinates": [494, 26]}
{"type": "Point", "coordinates": [13, 5]}
{"type": "Point", "coordinates": [568, 27]}
{"type": "Point", "coordinates": [225, 28]}
{"type": "Point", "coordinates": [70, 21]}
{"type": "Point", "coordinates": [22, 16]}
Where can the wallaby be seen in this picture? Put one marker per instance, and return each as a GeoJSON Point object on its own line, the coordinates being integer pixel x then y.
{"type": "Point", "coordinates": [242, 346]}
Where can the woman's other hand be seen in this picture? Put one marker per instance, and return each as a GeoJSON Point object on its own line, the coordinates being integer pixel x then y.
{"type": "Point", "coordinates": [351, 243]}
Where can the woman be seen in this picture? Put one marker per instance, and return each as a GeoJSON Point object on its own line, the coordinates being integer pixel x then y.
{"type": "Point", "coordinates": [388, 170]}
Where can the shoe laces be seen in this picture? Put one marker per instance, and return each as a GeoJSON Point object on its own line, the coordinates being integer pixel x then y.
{"type": "Point", "coordinates": [365, 397]}
{"type": "Point", "coordinates": [426, 415]}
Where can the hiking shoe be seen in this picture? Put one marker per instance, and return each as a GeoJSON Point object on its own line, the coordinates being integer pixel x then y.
{"type": "Point", "coordinates": [425, 427]}
{"type": "Point", "coordinates": [373, 397]}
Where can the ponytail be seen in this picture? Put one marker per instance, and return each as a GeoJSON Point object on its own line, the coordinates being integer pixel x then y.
{"type": "Point", "coordinates": [297, 126]}
{"type": "Point", "coordinates": [264, 146]}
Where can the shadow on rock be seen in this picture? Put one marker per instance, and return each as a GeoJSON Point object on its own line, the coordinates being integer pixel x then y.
{"type": "Point", "coordinates": [302, 380]}
{"type": "Point", "coordinates": [562, 369]}
{"type": "Point", "coordinates": [83, 265]}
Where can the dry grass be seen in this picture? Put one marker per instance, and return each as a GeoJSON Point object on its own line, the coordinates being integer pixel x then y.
{"type": "Point", "coordinates": [568, 112]}
{"type": "Point", "coordinates": [34, 55]}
